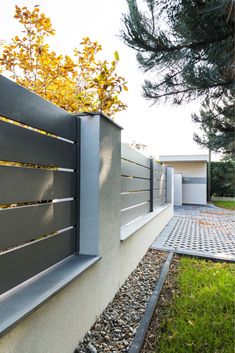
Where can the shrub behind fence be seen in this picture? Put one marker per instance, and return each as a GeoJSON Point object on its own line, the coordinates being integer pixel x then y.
{"type": "Point", "coordinates": [223, 178]}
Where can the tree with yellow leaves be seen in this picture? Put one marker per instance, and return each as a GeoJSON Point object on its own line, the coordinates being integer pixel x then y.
{"type": "Point", "coordinates": [79, 83]}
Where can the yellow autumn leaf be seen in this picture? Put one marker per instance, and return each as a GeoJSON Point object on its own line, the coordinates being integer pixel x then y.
{"type": "Point", "coordinates": [116, 55]}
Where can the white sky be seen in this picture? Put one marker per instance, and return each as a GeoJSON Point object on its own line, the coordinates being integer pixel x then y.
{"type": "Point", "coordinates": [163, 128]}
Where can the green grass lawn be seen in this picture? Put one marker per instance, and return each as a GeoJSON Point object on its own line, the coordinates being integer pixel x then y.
{"type": "Point", "coordinates": [225, 204]}
{"type": "Point", "coordinates": [200, 318]}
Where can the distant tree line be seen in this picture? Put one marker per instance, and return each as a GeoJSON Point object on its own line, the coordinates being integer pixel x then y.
{"type": "Point", "coordinates": [223, 178]}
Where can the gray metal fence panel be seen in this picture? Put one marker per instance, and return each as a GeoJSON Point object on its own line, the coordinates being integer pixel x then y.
{"type": "Point", "coordinates": [134, 198]}
{"type": "Point", "coordinates": [157, 175]}
{"type": "Point", "coordinates": [158, 202]}
{"type": "Point", "coordinates": [30, 185]}
{"type": "Point", "coordinates": [156, 184]}
{"type": "Point", "coordinates": [143, 179]}
{"type": "Point", "coordinates": [131, 214]}
{"type": "Point", "coordinates": [134, 184]}
{"type": "Point", "coordinates": [134, 170]}
{"type": "Point", "coordinates": [24, 262]}
{"type": "Point", "coordinates": [157, 166]}
{"type": "Point", "coordinates": [162, 192]}
{"type": "Point", "coordinates": [130, 154]}
{"type": "Point", "coordinates": [18, 103]}
{"type": "Point", "coordinates": [23, 145]}
{"type": "Point", "coordinates": [23, 224]}
{"type": "Point", "coordinates": [156, 194]}
{"type": "Point", "coordinates": [32, 232]}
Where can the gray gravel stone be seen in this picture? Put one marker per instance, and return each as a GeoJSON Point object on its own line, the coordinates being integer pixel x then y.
{"type": "Point", "coordinates": [114, 330]}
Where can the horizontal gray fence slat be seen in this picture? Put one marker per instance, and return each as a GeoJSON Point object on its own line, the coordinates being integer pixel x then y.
{"type": "Point", "coordinates": [132, 155]}
{"type": "Point", "coordinates": [159, 193]}
{"type": "Point", "coordinates": [156, 184]}
{"type": "Point", "coordinates": [159, 175]}
{"type": "Point", "coordinates": [162, 192]}
{"type": "Point", "coordinates": [22, 145]}
{"type": "Point", "coordinates": [134, 198]}
{"type": "Point", "coordinates": [26, 261]}
{"type": "Point", "coordinates": [157, 167]}
{"type": "Point", "coordinates": [22, 224]}
{"type": "Point", "coordinates": [156, 175]}
{"type": "Point", "coordinates": [18, 103]}
{"type": "Point", "coordinates": [135, 170]}
{"type": "Point", "coordinates": [134, 184]}
{"type": "Point", "coordinates": [156, 194]}
{"type": "Point", "coordinates": [28, 185]}
{"type": "Point", "coordinates": [159, 201]}
{"type": "Point", "coordinates": [133, 213]}
{"type": "Point", "coordinates": [162, 184]}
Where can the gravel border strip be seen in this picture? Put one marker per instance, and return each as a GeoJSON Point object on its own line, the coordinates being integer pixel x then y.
{"type": "Point", "coordinates": [116, 327]}
{"type": "Point", "coordinates": [139, 338]}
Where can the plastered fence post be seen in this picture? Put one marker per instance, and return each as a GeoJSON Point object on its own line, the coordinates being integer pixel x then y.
{"type": "Point", "coordinates": [99, 184]}
{"type": "Point", "coordinates": [170, 185]}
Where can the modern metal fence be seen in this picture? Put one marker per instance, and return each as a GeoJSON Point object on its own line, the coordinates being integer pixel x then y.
{"type": "Point", "coordinates": [143, 185]}
{"type": "Point", "coordinates": [40, 185]}
{"type": "Point", "coordinates": [65, 187]}
{"type": "Point", "coordinates": [39, 169]}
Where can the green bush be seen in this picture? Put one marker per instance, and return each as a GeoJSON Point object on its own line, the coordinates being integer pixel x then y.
{"type": "Point", "coordinates": [223, 178]}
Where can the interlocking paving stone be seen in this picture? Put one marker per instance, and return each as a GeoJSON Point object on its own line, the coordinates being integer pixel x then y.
{"type": "Point", "coordinates": [200, 231]}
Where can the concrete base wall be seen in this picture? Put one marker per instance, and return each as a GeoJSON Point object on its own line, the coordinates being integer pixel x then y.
{"type": "Point", "coordinates": [60, 323]}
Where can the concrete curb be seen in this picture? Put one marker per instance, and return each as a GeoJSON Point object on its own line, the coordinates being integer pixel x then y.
{"type": "Point", "coordinates": [204, 257]}
{"type": "Point", "coordinates": [138, 340]}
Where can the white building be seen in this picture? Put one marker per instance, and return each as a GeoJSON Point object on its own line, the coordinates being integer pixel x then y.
{"type": "Point", "coordinates": [190, 178]}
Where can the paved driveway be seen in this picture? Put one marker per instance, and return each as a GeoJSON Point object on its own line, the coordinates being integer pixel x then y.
{"type": "Point", "coordinates": [205, 231]}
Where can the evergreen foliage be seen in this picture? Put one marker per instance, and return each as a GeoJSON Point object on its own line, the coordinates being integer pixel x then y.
{"type": "Point", "coordinates": [218, 124]}
{"type": "Point", "coordinates": [223, 179]}
{"type": "Point", "coordinates": [186, 48]}
{"type": "Point", "coordinates": [188, 44]}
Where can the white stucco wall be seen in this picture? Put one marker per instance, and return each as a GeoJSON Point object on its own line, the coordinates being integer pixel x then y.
{"type": "Point", "coordinates": [194, 194]}
{"type": "Point", "coordinates": [189, 169]}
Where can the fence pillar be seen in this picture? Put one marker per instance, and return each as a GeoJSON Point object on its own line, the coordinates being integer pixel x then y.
{"type": "Point", "coordinates": [100, 185]}
{"type": "Point", "coordinates": [170, 185]}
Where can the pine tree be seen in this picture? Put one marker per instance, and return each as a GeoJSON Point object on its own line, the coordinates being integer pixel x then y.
{"type": "Point", "coordinates": [218, 125]}
{"type": "Point", "coordinates": [185, 46]}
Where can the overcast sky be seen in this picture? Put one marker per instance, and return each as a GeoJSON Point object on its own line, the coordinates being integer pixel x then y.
{"type": "Point", "coordinates": [163, 128]}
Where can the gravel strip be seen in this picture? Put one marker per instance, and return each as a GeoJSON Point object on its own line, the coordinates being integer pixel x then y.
{"type": "Point", "coordinates": [114, 330]}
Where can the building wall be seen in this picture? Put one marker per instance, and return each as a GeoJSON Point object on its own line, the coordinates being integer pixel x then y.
{"type": "Point", "coordinates": [189, 169]}
{"type": "Point", "coordinates": [60, 323]}
{"type": "Point", "coordinates": [192, 192]}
